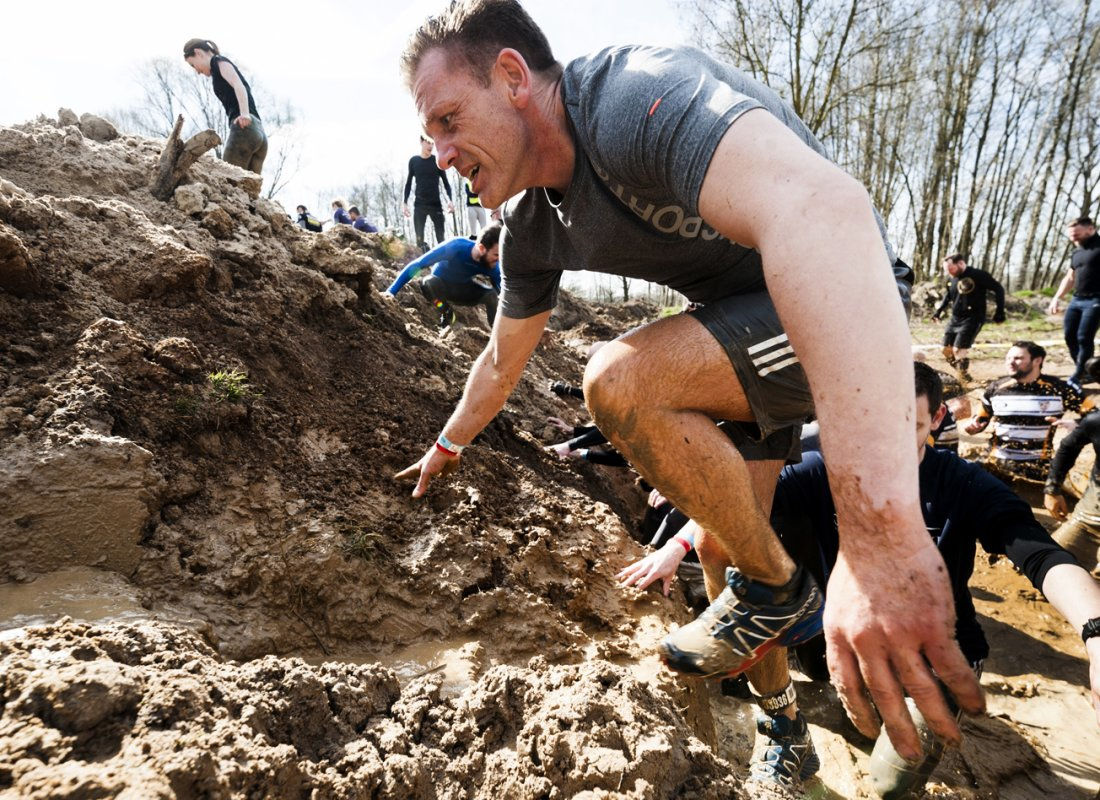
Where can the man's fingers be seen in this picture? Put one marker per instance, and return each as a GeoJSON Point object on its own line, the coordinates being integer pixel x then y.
{"type": "Point", "coordinates": [846, 677]}
{"type": "Point", "coordinates": [889, 700]}
{"type": "Point", "coordinates": [668, 590]}
{"type": "Point", "coordinates": [409, 473]}
{"type": "Point", "coordinates": [957, 675]}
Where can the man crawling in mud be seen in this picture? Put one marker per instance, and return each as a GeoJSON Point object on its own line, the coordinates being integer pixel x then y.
{"type": "Point", "coordinates": [665, 165]}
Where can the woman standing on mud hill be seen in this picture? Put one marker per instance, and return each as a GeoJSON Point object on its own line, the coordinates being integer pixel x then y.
{"type": "Point", "coordinates": [247, 145]}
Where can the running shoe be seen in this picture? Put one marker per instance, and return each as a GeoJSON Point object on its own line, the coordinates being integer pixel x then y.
{"type": "Point", "coordinates": [743, 623]}
{"type": "Point", "coordinates": [446, 316]}
{"type": "Point", "coordinates": [787, 756]}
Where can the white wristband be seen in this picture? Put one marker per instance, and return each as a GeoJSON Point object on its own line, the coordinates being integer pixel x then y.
{"type": "Point", "coordinates": [450, 446]}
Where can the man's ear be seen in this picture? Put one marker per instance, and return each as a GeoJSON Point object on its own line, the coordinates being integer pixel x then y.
{"type": "Point", "coordinates": [512, 68]}
{"type": "Point", "coordinates": [939, 415]}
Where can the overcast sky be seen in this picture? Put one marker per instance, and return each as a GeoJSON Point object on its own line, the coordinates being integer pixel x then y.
{"type": "Point", "coordinates": [336, 62]}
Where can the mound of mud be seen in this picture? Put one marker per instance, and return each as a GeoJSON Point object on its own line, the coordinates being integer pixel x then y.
{"type": "Point", "coordinates": [150, 711]}
{"type": "Point", "coordinates": [208, 401]}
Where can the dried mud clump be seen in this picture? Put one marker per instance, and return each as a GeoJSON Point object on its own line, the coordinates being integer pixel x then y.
{"type": "Point", "coordinates": [150, 711]}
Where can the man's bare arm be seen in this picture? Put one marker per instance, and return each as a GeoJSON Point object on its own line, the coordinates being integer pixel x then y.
{"type": "Point", "coordinates": [890, 604]}
{"type": "Point", "coordinates": [492, 379]}
{"type": "Point", "coordinates": [1076, 595]}
{"type": "Point", "coordinates": [1063, 287]}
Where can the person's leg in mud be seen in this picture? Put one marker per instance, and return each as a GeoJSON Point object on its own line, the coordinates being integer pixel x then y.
{"type": "Point", "coordinates": [656, 392]}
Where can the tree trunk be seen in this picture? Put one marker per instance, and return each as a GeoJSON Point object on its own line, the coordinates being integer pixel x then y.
{"type": "Point", "coordinates": [177, 157]}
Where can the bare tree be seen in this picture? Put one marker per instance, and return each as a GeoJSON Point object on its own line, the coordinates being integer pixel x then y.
{"type": "Point", "coordinates": [973, 123]}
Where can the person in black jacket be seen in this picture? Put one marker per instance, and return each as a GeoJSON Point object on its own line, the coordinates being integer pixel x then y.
{"type": "Point", "coordinates": [966, 295]}
{"type": "Point", "coordinates": [425, 172]}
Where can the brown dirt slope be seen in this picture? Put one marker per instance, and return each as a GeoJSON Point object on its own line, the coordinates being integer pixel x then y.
{"type": "Point", "coordinates": [203, 398]}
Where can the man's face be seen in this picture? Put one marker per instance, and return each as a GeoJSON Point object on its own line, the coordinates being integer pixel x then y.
{"type": "Point", "coordinates": [1020, 365]}
{"type": "Point", "coordinates": [476, 129]}
{"type": "Point", "coordinates": [926, 421]}
{"type": "Point", "coordinates": [1078, 233]}
{"type": "Point", "coordinates": [492, 255]}
{"type": "Point", "coordinates": [953, 268]}
{"type": "Point", "coordinates": [425, 149]}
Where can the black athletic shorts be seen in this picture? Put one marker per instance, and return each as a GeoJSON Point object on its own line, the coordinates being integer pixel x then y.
{"type": "Point", "coordinates": [961, 333]}
{"type": "Point", "coordinates": [748, 328]}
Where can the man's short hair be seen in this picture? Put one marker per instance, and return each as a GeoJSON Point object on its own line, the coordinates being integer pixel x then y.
{"type": "Point", "coordinates": [928, 385]}
{"type": "Point", "coordinates": [354, 210]}
{"type": "Point", "coordinates": [1083, 221]}
{"type": "Point", "coordinates": [473, 32]}
{"type": "Point", "coordinates": [425, 140]}
{"type": "Point", "coordinates": [955, 258]}
{"type": "Point", "coordinates": [301, 208]}
{"type": "Point", "coordinates": [1034, 350]}
{"type": "Point", "coordinates": [489, 235]}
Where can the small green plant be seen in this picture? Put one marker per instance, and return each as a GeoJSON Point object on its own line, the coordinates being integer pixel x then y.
{"type": "Point", "coordinates": [186, 405]}
{"type": "Point", "coordinates": [230, 386]}
{"type": "Point", "coordinates": [361, 543]}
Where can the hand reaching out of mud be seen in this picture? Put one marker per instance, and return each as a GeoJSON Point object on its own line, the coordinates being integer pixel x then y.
{"type": "Point", "coordinates": [434, 464]}
{"type": "Point", "coordinates": [560, 424]}
{"type": "Point", "coordinates": [660, 565]}
{"type": "Point", "coordinates": [889, 622]}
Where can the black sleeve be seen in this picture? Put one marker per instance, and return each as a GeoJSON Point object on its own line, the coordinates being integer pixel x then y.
{"type": "Point", "coordinates": [446, 183]}
{"type": "Point", "coordinates": [943, 303]}
{"type": "Point", "coordinates": [1088, 430]}
{"type": "Point", "coordinates": [1006, 525]}
{"type": "Point", "coordinates": [590, 437]}
{"type": "Point", "coordinates": [612, 458]}
{"type": "Point", "coordinates": [408, 182]}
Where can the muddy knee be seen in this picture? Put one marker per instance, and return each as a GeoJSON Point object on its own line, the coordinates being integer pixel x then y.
{"type": "Point", "coordinates": [611, 384]}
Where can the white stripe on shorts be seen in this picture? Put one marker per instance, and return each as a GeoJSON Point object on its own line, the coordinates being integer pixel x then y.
{"type": "Point", "coordinates": [778, 347]}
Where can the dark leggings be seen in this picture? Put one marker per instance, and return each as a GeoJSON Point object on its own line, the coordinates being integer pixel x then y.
{"type": "Point", "coordinates": [461, 294]}
{"type": "Point", "coordinates": [420, 216]}
{"type": "Point", "coordinates": [247, 147]}
{"type": "Point", "coordinates": [1080, 324]}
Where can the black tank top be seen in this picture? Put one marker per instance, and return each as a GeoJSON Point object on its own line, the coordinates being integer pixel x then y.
{"type": "Point", "coordinates": [225, 93]}
{"type": "Point", "coordinates": [1086, 268]}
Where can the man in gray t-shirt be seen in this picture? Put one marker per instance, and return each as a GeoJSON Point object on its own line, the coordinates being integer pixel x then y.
{"type": "Point", "coordinates": [662, 164]}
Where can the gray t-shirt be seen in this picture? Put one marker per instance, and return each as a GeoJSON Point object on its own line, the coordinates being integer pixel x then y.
{"type": "Point", "coordinates": [646, 122]}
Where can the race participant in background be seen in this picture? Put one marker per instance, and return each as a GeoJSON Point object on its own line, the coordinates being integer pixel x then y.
{"type": "Point", "coordinates": [1083, 312]}
{"type": "Point", "coordinates": [425, 172]}
{"type": "Point", "coordinates": [464, 273]}
{"type": "Point", "coordinates": [1023, 408]}
{"type": "Point", "coordinates": [966, 295]}
{"type": "Point", "coordinates": [247, 143]}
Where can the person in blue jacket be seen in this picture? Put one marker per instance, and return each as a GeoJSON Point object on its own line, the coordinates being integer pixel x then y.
{"type": "Point", "coordinates": [464, 273]}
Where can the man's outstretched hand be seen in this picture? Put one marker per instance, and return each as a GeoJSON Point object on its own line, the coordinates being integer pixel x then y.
{"type": "Point", "coordinates": [434, 464]}
{"type": "Point", "coordinates": [889, 622]}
